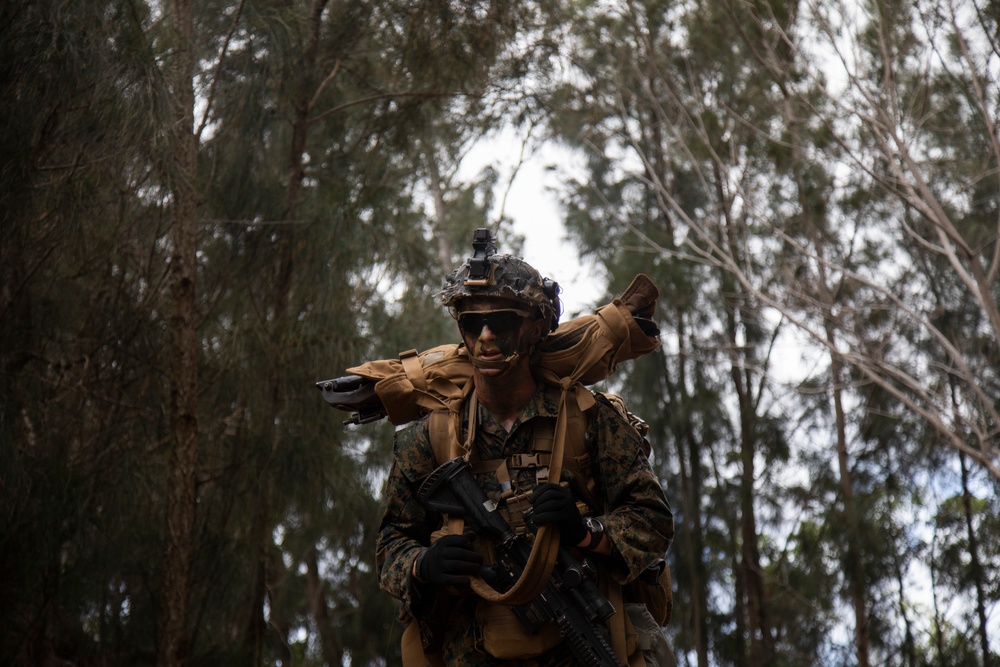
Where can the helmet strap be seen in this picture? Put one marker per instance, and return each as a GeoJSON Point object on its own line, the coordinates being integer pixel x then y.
{"type": "Point", "coordinates": [502, 365]}
{"type": "Point", "coordinates": [522, 349]}
{"type": "Point", "coordinates": [505, 364]}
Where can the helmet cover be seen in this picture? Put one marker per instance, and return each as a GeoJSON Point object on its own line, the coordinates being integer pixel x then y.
{"type": "Point", "coordinates": [487, 274]}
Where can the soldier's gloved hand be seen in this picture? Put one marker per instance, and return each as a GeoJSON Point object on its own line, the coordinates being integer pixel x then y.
{"type": "Point", "coordinates": [552, 503]}
{"type": "Point", "coordinates": [450, 561]}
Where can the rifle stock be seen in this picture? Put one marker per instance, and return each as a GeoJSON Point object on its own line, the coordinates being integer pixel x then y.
{"type": "Point", "coordinates": [354, 394]}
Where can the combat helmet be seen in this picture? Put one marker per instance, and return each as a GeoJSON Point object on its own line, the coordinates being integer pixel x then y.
{"type": "Point", "coordinates": [487, 274]}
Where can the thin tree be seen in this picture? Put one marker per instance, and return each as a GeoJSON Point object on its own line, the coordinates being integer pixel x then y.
{"type": "Point", "coordinates": [182, 176]}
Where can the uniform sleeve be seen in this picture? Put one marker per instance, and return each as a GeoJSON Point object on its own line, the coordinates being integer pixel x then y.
{"type": "Point", "coordinates": [638, 520]}
{"type": "Point", "coordinates": [405, 529]}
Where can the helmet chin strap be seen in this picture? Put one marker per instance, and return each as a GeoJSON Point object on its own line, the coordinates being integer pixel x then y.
{"type": "Point", "coordinates": [502, 365]}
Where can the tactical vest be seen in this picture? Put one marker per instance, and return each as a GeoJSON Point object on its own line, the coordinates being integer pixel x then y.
{"type": "Point", "coordinates": [503, 635]}
{"type": "Point", "coordinates": [577, 461]}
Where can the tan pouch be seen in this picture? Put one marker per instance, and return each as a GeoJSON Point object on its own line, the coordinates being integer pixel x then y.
{"type": "Point", "coordinates": [506, 638]}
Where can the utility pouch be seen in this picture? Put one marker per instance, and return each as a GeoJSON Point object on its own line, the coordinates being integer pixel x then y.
{"type": "Point", "coordinates": [513, 511]}
{"type": "Point", "coordinates": [516, 509]}
{"type": "Point", "coordinates": [649, 637]}
{"type": "Point", "coordinates": [505, 637]}
{"type": "Point", "coordinates": [654, 590]}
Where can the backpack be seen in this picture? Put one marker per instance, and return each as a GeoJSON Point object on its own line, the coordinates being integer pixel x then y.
{"type": "Point", "coordinates": [579, 352]}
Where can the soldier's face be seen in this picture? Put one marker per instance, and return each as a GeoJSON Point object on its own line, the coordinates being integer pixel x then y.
{"type": "Point", "coordinates": [494, 329]}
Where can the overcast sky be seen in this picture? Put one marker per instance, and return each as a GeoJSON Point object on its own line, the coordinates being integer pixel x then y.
{"type": "Point", "coordinates": [534, 208]}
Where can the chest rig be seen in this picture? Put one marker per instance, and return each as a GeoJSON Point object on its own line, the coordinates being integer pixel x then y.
{"type": "Point", "coordinates": [518, 474]}
{"type": "Point", "coordinates": [510, 480]}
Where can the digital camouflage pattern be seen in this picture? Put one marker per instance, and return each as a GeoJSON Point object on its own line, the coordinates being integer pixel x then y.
{"type": "Point", "coordinates": [638, 521]}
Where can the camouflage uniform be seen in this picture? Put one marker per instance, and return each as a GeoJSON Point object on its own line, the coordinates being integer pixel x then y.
{"type": "Point", "coordinates": [638, 522]}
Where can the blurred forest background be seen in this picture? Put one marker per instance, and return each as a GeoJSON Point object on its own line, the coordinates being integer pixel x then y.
{"type": "Point", "coordinates": [209, 206]}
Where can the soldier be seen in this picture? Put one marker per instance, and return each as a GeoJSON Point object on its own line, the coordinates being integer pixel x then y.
{"type": "Point", "coordinates": [613, 512]}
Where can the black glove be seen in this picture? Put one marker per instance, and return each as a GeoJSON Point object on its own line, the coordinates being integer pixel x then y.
{"type": "Point", "coordinates": [552, 503]}
{"type": "Point", "coordinates": [450, 561]}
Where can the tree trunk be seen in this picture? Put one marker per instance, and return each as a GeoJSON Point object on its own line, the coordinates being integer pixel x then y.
{"type": "Point", "coordinates": [909, 645]}
{"type": "Point", "coordinates": [855, 568]}
{"type": "Point", "coordinates": [440, 210]}
{"type": "Point", "coordinates": [827, 296]}
{"type": "Point", "coordinates": [689, 457]}
{"type": "Point", "coordinates": [758, 626]}
{"type": "Point", "coordinates": [754, 602]}
{"type": "Point", "coordinates": [331, 649]}
{"type": "Point", "coordinates": [287, 250]}
{"type": "Point", "coordinates": [174, 635]}
{"type": "Point", "coordinates": [692, 552]}
{"type": "Point", "coordinates": [975, 564]}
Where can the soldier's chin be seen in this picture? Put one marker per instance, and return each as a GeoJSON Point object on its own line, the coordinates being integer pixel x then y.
{"type": "Point", "coordinates": [494, 371]}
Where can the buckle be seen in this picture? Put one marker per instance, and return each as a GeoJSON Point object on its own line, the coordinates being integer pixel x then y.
{"type": "Point", "coordinates": [523, 461]}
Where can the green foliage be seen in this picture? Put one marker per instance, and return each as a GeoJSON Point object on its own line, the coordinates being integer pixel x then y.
{"type": "Point", "coordinates": [314, 254]}
{"type": "Point", "coordinates": [714, 162]}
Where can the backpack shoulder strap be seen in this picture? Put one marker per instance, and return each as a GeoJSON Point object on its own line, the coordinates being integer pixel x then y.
{"type": "Point", "coordinates": [444, 428]}
{"type": "Point", "coordinates": [439, 430]}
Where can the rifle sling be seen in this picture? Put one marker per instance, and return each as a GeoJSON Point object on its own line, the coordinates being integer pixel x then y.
{"type": "Point", "coordinates": [444, 429]}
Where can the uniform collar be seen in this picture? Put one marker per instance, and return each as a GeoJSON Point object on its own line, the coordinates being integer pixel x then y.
{"type": "Point", "coordinates": [544, 402]}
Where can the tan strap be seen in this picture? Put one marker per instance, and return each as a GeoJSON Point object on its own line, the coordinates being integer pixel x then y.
{"type": "Point", "coordinates": [637, 659]}
{"type": "Point", "coordinates": [538, 570]}
{"type": "Point", "coordinates": [535, 575]}
{"type": "Point", "coordinates": [573, 400]}
{"type": "Point", "coordinates": [414, 369]}
{"type": "Point", "coordinates": [473, 420]}
{"type": "Point", "coordinates": [616, 624]}
{"type": "Point", "coordinates": [543, 444]}
{"type": "Point", "coordinates": [439, 430]}
{"type": "Point", "coordinates": [503, 476]}
{"type": "Point", "coordinates": [443, 428]}
{"type": "Point", "coordinates": [411, 646]}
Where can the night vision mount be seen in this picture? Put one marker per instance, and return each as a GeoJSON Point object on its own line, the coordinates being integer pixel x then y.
{"type": "Point", "coordinates": [480, 267]}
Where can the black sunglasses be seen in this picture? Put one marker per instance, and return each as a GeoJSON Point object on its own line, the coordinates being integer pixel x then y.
{"type": "Point", "coordinates": [499, 321]}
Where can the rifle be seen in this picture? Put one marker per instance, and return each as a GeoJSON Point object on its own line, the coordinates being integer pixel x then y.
{"type": "Point", "coordinates": [571, 599]}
